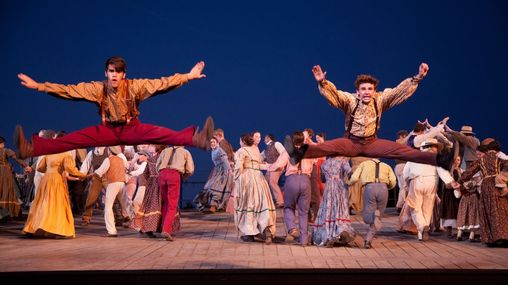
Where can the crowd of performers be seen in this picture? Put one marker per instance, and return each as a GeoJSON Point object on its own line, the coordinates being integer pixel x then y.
{"type": "Point", "coordinates": [448, 180]}
{"type": "Point", "coordinates": [142, 187]}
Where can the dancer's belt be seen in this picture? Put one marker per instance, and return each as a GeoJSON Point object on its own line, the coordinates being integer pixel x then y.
{"type": "Point", "coordinates": [351, 136]}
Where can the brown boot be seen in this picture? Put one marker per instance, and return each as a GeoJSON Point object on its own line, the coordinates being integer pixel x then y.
{"type": "Point", "coordinates": [201, 139]}
{"type": "Point", "coordinates": [25, 149]}
{"type": "Point", "coordinates": [268, 236]}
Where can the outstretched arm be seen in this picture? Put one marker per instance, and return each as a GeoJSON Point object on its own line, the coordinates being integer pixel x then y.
{"type": "Point", "coordinates": [468, 141]}
{"type": "Point", "coordinates": [87, 91]}
{"type": "Point", "coordinates": [336, 98]}
{"type": "Point", "coordinates": [146, 88]}
{"type": "Point", "coordinates": [394, 96]}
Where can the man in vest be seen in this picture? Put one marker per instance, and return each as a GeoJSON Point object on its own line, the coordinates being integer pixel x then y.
{"type": "Point", "coordinates": [173, 164]}
{"type": "Point", "coordinates": [271, 153]}
{"type": "Point", "coordinates": [118, 99]}
{"type": "Point", "coordinates": [114, 169]}
{"type": "Point", "coordinates": [377, 178]}
{"type": "Point", "coordinates": [363, 111]}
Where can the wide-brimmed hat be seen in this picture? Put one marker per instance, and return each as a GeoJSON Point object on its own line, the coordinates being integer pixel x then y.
{"type": "Point", "coordinates": [467, 130]}
{"type": "Point", "coordinates": [487, 141]}
{"type": "Point", "coordinates": [115, 149]}
{"type": "Point", "coordinates": [431, 142]}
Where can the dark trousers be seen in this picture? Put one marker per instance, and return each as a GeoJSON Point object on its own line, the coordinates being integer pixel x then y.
{"type": "Point", "coordinates": [76, 191]}
{"type": "Point", "coordinates": [133, 133]}
{"type": "Point", "coordinates": [370, 147]}
{"type": "Point", "coordinates": [297, 196]}
{"type": "Point", "coordinates": [94, 189]}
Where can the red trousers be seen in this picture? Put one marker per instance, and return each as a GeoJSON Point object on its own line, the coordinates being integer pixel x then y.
{"type": "Point", "coordinates": [133, 133]}
{"type": "Point", "coordinates": [169, 186]}
{"type": "Point", "coordinates": [370, 147]}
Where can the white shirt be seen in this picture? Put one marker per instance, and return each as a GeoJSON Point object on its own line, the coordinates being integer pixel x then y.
{"type": "Point", "coordinates": [138, 169]}
{"type": "Point", "coordinates": [85, 167]}
{"type": "Point", "coordinates": [413, 170]}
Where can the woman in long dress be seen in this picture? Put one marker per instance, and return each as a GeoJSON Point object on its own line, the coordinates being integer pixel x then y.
{"type": "Point", "coordinates": [216, 192]}
{"type": "Point", "coordinates": [493, 207]}
{"type": "Point", "coordinates": [9, 202]}
{"type": "Point", "coordinates": [450, 202]}
{"type": "Point", "coordinates": [255, 212]}
{"type": "Point", "coordinates": [468, 217]}
{"type": "Point", "coordinates": [51, 214]}
{"type": "Point", "coordinates": [148, 216]}
{"type": "Point", "coordinates": [333, 223]}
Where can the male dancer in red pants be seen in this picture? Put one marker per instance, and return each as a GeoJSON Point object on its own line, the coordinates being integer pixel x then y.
{"type": "Point", "coordinates": [118, 99]}
{"type": "Point", "coordinates": [363, 111]}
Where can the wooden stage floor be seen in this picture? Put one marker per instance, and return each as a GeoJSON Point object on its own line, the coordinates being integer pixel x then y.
{"type": "Point", "coordinates": [209, 244]}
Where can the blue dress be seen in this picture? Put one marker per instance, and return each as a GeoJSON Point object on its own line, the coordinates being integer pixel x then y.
{"type": "Point", "coordinates": [217, 189]}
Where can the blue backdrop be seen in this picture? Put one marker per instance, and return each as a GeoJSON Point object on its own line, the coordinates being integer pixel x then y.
{"type": "Point", "coordinates": [259, 56]}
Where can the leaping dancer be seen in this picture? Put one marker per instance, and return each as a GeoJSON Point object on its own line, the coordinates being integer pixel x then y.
{"type": "Point", "coordinates": [118, 99]}
{"type": "Point", "coordinates": [363, 111]}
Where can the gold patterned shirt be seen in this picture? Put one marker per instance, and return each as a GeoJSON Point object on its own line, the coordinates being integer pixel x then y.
{"type": "Point", "coordinates": [364, 118]}
{"type": "Point", "coordinates": [116, 104]}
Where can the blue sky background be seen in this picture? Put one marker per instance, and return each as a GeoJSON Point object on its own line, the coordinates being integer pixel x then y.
{"type": "Point", "coordinates": [259, 56]}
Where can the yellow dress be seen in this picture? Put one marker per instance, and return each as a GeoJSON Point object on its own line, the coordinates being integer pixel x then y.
{"type": "Point", "coordinates": [50, 214]}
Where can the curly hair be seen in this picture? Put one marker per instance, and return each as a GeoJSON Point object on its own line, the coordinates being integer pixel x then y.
{"type": "Point", "coordinates": [365, 78]}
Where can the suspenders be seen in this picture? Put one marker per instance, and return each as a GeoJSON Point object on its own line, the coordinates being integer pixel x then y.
{"type": "Point", "coordinates": [171, 157]}
{"type": "Point", "coordinates": [376, 180]}
{"type": "Point", "coordinates": [352, 116]}
{"type": "Point", "coordinates": [129, 101]}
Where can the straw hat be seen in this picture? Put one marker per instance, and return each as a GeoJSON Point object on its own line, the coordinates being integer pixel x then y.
{"type": "Point", "coordinates": [467, 130]}
{"type": "Point", "coordinates": [431, 142]}
{"type": "Point", "coordinates": [487, 141]}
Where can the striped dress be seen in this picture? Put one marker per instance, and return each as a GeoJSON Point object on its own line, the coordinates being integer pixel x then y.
{"type": "Point", "coordinates": [253, 203]}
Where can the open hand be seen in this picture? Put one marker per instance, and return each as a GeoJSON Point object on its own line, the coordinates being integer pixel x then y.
{"type": "Point", "coordinates": [196, 71]}
{"type": "Point", "coordinates": [423, 70]}
{"type": "Point", "coordinates": [27, 81]}
{"type": "Point", "coordinates": [444, 121]}
{"type": "Point", "coordinates": [319, 75]}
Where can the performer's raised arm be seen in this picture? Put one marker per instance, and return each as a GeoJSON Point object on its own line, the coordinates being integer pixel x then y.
{"type": "Point", "coordinates": [336, 98]}
{"type": "Point", "coordinates": [146, 88]}
{"type": "Point", "coordinates": [394, 96]}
